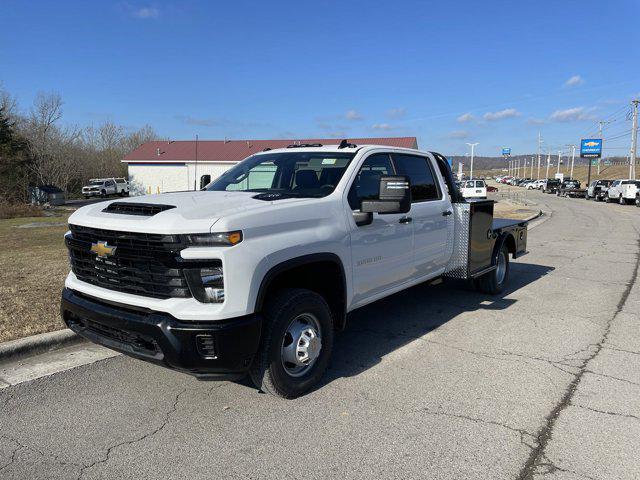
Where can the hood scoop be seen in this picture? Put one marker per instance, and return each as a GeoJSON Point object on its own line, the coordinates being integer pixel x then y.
{"type": "Point", "coordinates": [271, 196]}
{"type": "Point", "coordinates": [139, 209]}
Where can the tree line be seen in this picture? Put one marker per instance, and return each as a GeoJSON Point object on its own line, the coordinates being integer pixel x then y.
{"type": "Point", "coordinates": [37, 148]}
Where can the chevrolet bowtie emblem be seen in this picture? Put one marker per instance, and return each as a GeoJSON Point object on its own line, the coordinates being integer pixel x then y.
{"type": "Point", "coordinates": [103, 250]}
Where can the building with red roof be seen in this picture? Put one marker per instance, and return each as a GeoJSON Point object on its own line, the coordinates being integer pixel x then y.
{"type": "Point", "coordinates": [167, 166]}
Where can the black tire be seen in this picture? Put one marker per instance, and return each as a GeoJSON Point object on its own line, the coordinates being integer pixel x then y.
{"type": "Point", "coordinates": [268, 370]}
{"type": "Point", "coordinates": [622, 200]}
{"type": "Point", "coordinates": [122, 193]}
{"type": "Point", "coordinates": [490, 282]}
{"type": "Point", "coordinates": [103, 193]}
{"type": "Point", "coordinates": [606, 198]}
{"type": "Point", "coordinates": [637, 200]}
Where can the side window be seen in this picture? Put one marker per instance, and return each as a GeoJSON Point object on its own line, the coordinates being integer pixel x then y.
{"type": "Point", "coordinates": [418, 169]}
{"type": "Point", "coordinates": [366, 185]}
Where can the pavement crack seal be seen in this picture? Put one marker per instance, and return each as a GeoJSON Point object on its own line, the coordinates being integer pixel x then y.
{"type": "Point", "coordinates": [537, 457]}
{"type": "Point", "coordinates": [523, 433]}
{"type": "Point", "coordinates": [157, 430]}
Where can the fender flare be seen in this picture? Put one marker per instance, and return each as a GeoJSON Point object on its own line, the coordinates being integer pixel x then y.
{"type": "Point", "coordinates": [504, 238]}
{"type": "Point", "coordinates": [298, 262]}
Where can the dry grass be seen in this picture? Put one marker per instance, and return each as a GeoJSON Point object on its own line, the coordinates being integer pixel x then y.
{"type": "Point", "coordinates": [504, 209]}
{"type": "Point", "coordinates": [17, 210]}
{"type": "Point", "coordinates": [34, 264]}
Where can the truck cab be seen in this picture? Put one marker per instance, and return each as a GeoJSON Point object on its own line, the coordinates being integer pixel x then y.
{"type": "Point", "coordinates": [256, 272]}
{"type": "Point", "coordinates": [597, 189]}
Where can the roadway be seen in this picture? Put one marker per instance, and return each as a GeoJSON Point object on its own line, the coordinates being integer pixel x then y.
{"type": "Point", "coordinates": [435, 382]}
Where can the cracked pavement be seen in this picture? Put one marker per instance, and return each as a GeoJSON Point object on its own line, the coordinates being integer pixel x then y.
{"type": "Point", "coordinates": [434, 382]}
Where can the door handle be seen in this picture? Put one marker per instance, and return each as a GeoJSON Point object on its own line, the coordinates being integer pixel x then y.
{"type": "Point", "coordinates": [405, 220]}
{"type": "Point", "coordinates": [446, 213]}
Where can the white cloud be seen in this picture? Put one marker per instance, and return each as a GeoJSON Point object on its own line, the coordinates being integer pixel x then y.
{"type": "Point", "coordinates": [535, 121]}
{"type": "Point", "coordinates": [501, 115]}
{"type": "Point", "coordinates": [146, 12]}
{"type": "Point", "coordinates": [353, 115]}
{"type": "Point", "coordinates": [571, 115]}
{"type": "Point", "coordinates": [458, 134]}
{"type": "Point", "coordinates": [382, 126]}
{"type": "Point", "coordinates": [574, 81]}
{"type": "Point", "coordinates": [465, 117]}
{"type": "Point", "coordinates": [397, 112]}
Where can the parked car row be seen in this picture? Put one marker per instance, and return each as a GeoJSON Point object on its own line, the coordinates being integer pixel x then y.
{"type": "Point", "coordinates": [623, 191]}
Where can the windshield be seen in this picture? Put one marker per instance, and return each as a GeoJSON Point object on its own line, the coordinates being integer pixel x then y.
{"type": "Point", "coordinates": [95, 182]}
{"type": "Point", "coordinates": [287, 174]}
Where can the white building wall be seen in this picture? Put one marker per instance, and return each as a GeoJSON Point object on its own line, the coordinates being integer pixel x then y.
{"type": "Point", "coordinates": [160, 178]}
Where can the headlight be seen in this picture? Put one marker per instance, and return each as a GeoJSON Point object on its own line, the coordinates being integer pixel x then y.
{"type": "Point", "coordinates": [206, 284]}
{"type": "Point", "coordinates": [214, 239]}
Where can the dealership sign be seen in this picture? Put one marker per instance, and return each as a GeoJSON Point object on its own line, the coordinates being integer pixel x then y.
{"type": "Point", "coordinates": [591, 148]}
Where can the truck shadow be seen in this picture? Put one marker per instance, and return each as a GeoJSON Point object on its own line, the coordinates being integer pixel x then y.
{"type": "Point", "coordinates": [384, 326]}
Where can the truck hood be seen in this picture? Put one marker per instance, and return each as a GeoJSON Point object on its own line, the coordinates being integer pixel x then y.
{"type": "Point", "coordinates": [194, 212]}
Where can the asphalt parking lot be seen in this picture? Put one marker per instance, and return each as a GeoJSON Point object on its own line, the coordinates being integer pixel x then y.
{"type": "Point", "coordinates": [435, 382]}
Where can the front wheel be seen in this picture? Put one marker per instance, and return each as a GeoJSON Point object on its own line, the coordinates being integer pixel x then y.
{"type": "Point", "coordinates": [606, 198]}
{"type": "Point", "coordinates": [494, 281]}
{"type": "Point", "coordinates": [621, 200]}
{"type": "Point", "coordinates": [296, 343]}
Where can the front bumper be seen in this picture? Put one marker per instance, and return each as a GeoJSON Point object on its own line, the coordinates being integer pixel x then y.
{"type": "Point", "coordinates": [213, 350]}
{"type": "Point", "coordinates": [91, 193]}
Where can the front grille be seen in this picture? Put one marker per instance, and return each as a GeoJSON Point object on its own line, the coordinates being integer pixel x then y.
{"type": "Point", "coordinates": [142, 209]}
{"type": "Point", "coordinates": [142, 263]}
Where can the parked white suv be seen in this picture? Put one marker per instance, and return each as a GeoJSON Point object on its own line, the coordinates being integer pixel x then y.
{"type": "Point", "coordinates": [256, 272]}
{"type": "Point", "coordinates": [104, 187]}
{"type": "Point", "coordinates": [622, 191]}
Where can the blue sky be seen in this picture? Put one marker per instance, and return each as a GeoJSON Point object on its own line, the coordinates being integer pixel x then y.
{"type": "Point", "coordinates": [447, 72]}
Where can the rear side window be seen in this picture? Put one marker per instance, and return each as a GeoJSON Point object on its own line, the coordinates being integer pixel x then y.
{"type": "Point", "coordinates": [418, 169]}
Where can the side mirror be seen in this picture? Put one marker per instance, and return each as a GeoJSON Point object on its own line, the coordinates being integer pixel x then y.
{"type": "Point", "coordinates": [394, 196]}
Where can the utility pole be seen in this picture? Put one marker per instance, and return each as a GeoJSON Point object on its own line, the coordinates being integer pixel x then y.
{"type": "Point", "coordinates": [195, 172]}
{"type": "Point", "coordinates": [559, 159]}
{"type": "Point", "coordinates": [472, 145]}
{"type": "Point", "coordinates": [573, 158]}
{"type": "Point", "coordinates": [531, 168]}
{"type": "Point", "coordinates": [548, 162]}
{"type": "Point", "coordinates": [601, 125]}
{"type": "Point", "coordinates": [634, 140]}
{"type": "Point", "coordinates": [539, 142]}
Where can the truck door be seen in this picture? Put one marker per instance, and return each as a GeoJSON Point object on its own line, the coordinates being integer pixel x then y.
{"type": "Point", "coordinates": [381, 252]}
{"type": "Point", "coordinates": [431, 214]}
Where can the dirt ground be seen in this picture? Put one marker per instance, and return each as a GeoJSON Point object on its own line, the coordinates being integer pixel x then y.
{"type": "Point", "coordinates": [33, 262]}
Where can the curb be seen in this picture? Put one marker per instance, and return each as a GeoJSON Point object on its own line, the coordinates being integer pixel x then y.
{"type": "Point", "coordinates": [35, 344]}
{"type": "Point", "coordinates": [541, 218]}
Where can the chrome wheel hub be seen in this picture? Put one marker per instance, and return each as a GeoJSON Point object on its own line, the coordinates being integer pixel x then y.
{"type": "Point", "coordinates": [301, 344]}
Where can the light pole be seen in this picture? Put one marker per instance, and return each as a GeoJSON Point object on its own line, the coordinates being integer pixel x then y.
{"type": "Point", "coordinates": [559, 160]}
{"type": "Point", "coordinates": [573, 158]}
{"type": "Point", "coordinates": [472, 145]}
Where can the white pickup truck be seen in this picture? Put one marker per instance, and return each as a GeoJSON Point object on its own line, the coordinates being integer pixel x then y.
{"type": "Point", "coordinates": [105, 187]}
{"type": "Point", "coordinates": [255, 273]}
{"type": "Point", "coordinates": [623, 191]}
